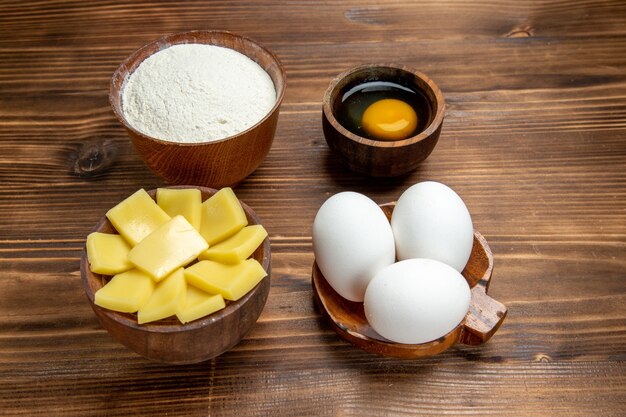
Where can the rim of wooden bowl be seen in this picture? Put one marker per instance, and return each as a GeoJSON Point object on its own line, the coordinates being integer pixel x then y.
{"type": "Point", "coordinates": [171, 324]}
{"type": "Point", "coordinates": [433, 125]}
{"type": "Point", "coordinates": [205, 37]}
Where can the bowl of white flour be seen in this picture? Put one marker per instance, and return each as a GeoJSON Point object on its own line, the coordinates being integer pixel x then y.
{"type": "Point", "coordinates": [200, 107]}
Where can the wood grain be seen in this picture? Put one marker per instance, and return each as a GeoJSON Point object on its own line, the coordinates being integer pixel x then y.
{"type": "Point", "coordinates": [533, 140]}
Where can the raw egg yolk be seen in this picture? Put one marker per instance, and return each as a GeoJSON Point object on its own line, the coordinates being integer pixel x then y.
{"type": "Point", "coordinates": [389, 119]}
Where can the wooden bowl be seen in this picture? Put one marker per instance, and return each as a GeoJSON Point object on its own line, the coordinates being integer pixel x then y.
{"type": "Point", "coordinates": [168, 340]}
{"type": "Point", "coordinates": [373, 157]}
{"type": "Point", "coordinates": [484, 317]}
{"type": "Point", "coordinates": [219, 163]}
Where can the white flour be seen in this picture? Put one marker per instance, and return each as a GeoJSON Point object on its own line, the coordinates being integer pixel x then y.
{"type": "Point", "coordinates": [197, 93]}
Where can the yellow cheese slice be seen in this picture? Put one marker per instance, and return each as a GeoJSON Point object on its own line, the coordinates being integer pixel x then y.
{"type": "Point", "coordinates": [185, 201]}
{"type": "Point", "coordinates": [126, 292]}
{"type": "Point", "coordinates": [172, 245]}
{"type": "Point", "coordinates": [199, 304]}
{"type": "Point", "coordinates": [136, 217]}
{"type": "Point", "coordinates": [237, 247]}
{"type": "Point", "coordinates": [232, 281]}
{"type": "Point", "coordinates": [222, 216]}
{"type": "Point", "coordinates": [107, 254]}
{"type": "Point", "coordinates": [167, 299]}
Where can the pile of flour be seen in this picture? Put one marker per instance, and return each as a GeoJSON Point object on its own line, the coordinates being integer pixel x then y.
{"type": "Point", "coordinates": [197, 93]}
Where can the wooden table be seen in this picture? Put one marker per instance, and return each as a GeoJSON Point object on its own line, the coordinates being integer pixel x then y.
{"type": "Point", "coordinates": [534, 140]}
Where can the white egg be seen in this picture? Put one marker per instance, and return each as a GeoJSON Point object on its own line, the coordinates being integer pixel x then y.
{"type": "Point", "coordinates": [431, 221]}
{"type": "Point", "coordinates": [352, 241]}
{"type": "Point", "coordinates": [416, 301]}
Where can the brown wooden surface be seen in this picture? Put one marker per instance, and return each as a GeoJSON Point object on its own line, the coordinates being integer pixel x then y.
{"type": "Point", "coordinates": [534, 140]}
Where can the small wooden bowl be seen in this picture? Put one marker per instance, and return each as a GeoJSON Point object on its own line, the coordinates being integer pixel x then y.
{"type": "Point", "coordinates": [484, 317]}
{"type": "Point", "coordinates": [168, 340]}
{"type": "Point", "coordinates": [373, 157]}
{"type": "Point", "coordinates": [219, 163]}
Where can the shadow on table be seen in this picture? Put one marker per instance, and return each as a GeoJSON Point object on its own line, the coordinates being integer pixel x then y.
{"type": "Point", "coordinates": [347, 179]}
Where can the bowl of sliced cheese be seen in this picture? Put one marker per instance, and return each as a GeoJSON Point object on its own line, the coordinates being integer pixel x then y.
{"type": "Point", "coordinates": [178, 274]}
